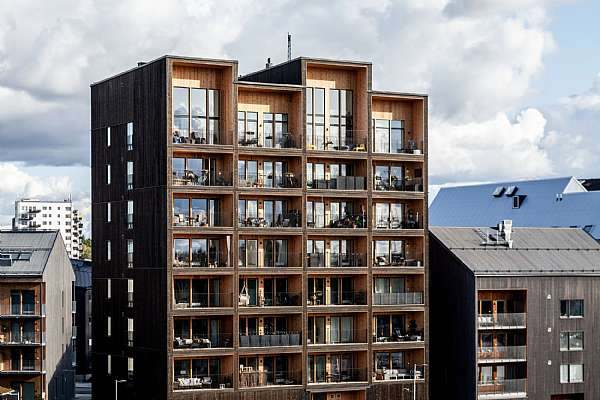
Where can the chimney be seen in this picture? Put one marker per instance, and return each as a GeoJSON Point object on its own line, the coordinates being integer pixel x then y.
{"type": "Point", "coordinates": [289, 46]}
{"type": "Point", "coordinates": [140, 63]}
{"type": "Point", "coordinates": [268, 65]}
{"type": "Point", "coordinates": [505, 228]}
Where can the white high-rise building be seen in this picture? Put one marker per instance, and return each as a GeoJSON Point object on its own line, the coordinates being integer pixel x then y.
{"type": "Point", "coordinates": [33, 214]}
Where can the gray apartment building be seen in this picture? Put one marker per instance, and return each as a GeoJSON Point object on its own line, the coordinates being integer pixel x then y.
{"type": "Point", "coordinates": [515, 313]}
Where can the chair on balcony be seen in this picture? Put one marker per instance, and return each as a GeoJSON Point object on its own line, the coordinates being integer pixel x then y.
{"type": "Point", "coordinates": [207, 381]}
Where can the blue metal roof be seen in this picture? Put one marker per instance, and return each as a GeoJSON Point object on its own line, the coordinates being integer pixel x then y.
{"type": "Point", "coordinates": [557, 202]}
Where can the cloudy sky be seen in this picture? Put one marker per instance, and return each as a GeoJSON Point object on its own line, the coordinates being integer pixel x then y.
{"type": "Point", "coordinates": [514, 85]}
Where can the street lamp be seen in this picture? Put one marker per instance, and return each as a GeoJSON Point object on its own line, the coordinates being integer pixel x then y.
{"type": "Point", "coordinates": [117, 381]}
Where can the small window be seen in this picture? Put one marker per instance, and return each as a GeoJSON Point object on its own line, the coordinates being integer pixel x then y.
{"type": "Point", "coordinates": [571, 308]}
{"type": "Point", "coordinates": [108, 251]}
{"type": "Point", "coordinates": [108, 137]}
{"type": "Point", "coordinates": [571, 373]}
{"type": "Point", "coordinates": [518, 200]}
{"type": "Point", "coordinates": [511, 191]}
{"type": "Point", "coordinates": [108, 364]}
{"type": "Point", "coordinates": [108, 326]}
{"type": "Point", "coordinates": [130, 136]}
{"type": "Point", "coordinates": [108, 288]}
{"type": "Point", "coordinates": [108, 174]}
{"type": "Point", "coordinates": [571, 341]}
{"type": "Point", "coordinates": [129, 175]}
{"type": "Point", "coordinates": [130, 367]}
{"type": "Point", "coordinates": [108, 212]}
{"type": "Point", "coordinates": [498, 191]}
{"type": "Point", "coordinates": [130, 214]}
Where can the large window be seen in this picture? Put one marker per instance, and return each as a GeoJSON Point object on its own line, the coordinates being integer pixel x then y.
{"type": "Point", "coordinates": [315, 250]}
{"type": "Point", "coordinates": [202, 253]}
{"type": "Point", "coordinates": [389, 215]}
{"type": "Point", "coordinates": [571, 341]}
{"type": "Point", "coordinates": [275, 253]}
{"type": "Point", "coordinates": [248, 173]}
{"type": "Point", "coordinates": [571, 373]}
{"type": "Point", "coordinates": [315, 214]}
{"type": "Point", "coordinates": [275, 130]}
{"type": "Point", "coordinates": [248, 253]}
{"type": "Point", "coordinates": [389, 177]}
{"type": "Point", "coordinates": [195, 116]}
{"type": "Point", "coordinates": [388, 252]}
{"type": "Point", "coordinates": [389, 136]}
{"type": "Point", "coordinates": [248, 212]}
{"type": "Point", "coordinates": [571, 308]}
{"type": "Point", "coordinates": [196, 212]}
{"type": "Point", "coordinates": [198, 172]}
{"type": "Point", "coordinates": [340, 121]}
{"type": "Point", "coordinates": [315, 118]}
{"type": "Point", "coordinates": [386, 360]}
{"type": "Point", "coordinates": [247, 128]}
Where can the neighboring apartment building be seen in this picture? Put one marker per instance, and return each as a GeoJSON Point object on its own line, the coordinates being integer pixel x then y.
{"type": "Point", "coordinates": [555, 202]}
{"type": "Point", "coordinates": [82, 323]}
{"type": "Point", "coordinates": [258, 237]}
{"type": "Point", "coordinates": [35, 315]}
{"type": "Point", "coordinates": [516, 314]}
{"type": "Point", "coordinates": [32, 215]}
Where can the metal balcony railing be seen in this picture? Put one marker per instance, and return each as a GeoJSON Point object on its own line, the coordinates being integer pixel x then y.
{"type": "Point", "coordinates": [492, 388]}
{"type": "Point", "coordinates": [276, 339]}
{"type": "Point", "coordinates": [502, 353]}
{"type": "Point", "coordinates": [203, 381]}
{"type": "Point", "coordinates": [397, 298]}
{"type": "Point", "coordinates": [182, 340]}
{"type": "Point", "coordinates": [339, 183]}
{"type": "Point", "coordinates": [201, 178]}
{"type": "Point", "coordinates": [502, 320]}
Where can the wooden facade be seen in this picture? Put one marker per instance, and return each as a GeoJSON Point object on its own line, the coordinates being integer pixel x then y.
{"type": "Point", "coordinates": [164, 291]}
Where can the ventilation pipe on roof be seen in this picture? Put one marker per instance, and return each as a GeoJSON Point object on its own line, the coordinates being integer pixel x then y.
{"type": "Point", "coordinates": [505, 230]}
{"type": "Point", "coordinates": [268, 64]}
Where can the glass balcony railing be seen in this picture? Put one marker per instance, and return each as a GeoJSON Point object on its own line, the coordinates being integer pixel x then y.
{"type": "Point", "coordinates": [415, 335]}
{"type": "Point", "coordinates": [202, 341]}
{"type": "Point", "coordinates": [201, 178]}
{"type": "Point", "coordinates": [291, 219]}
{"type": "Point", "coordinates": [276, 339]}
{"type": "Point", "coordinates": [201, 300]}
{"type": "Point", "coordinates": [339, 336]}
{"type": "Point", "coordinates": [271, 260]}
{"type": "Point", "coordinates": [287, 181]}
{"type": "Point", "coordinates": [396, 223]}
{"type": "Point", "coordinates": [203, 381]}
{"type": "Point", "coordinates": [496, 353]}
{"type": "Point", "coordinates": [200, 261]}
{"type": "Point", "coordinates": [270, 299]}
{"type": "Point", "coordinates": [339, 183]}
{"type": "Point", "coordinates": [502, 320]}
{"type": "Point", "coordinates": [399, 185]}
{"type": "Point", "coordinates": [249, 378]}
{"type": "Point", "coordinates": [200, 220]}
{"type": "Point", "coordinates": [335, 260]}
{"type": "Point", "coordinates": [22, 338]}
{"type": "Point", "coordinates": [347, 221]}
{"type": "Point", "coordinates": [397, 298]}
{"type": "Point", "coordinates": [337, 298]}
{"type": "Point", "coordinates": [181, 136]}
{"type": "Point", "coordinates": [344, 375]}
{"type": "Point", "coordinates": [280, 141]}
{"type": "Point", "coordinates": [492, 388]}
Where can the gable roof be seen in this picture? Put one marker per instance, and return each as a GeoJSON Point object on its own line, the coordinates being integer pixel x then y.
{"type": "Point", "coordinates": [535, 251]}
{"type": "Point", "coordinates": [36, 246]}
{"type": "Point", "coordinates": [556, 202]}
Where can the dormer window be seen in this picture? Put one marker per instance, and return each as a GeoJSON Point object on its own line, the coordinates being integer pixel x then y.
{"type": "Point", "coordinates": [511, 191]}
{"type": "Point", "coordinates": [518, 200]}
{"type": "Point", "coordinates": [498, 191]}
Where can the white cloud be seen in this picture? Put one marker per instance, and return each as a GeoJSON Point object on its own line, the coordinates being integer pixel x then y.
{"type": "Point", "coordinates": [499, 148]}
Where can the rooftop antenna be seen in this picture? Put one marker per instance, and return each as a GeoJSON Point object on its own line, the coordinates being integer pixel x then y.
{"type": "Point", "coordinates": [289, 46]}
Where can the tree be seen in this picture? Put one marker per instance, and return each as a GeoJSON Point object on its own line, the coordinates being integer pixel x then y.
{"type": "Point", "coordinates": [86, 254]}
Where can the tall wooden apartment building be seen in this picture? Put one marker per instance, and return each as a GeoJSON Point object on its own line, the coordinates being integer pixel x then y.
{"type": "Point", "coordinates": [261, 236]}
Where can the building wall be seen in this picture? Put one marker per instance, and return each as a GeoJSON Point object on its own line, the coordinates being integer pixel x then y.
{"type": "Point", "coordinates": [544, 326]}
{"type": "Point", "coordinates": [452, 329]}
{"type": "Point", "coordinates": [58, 283]}
{"type": "Point", "coordinates": [138, 96]}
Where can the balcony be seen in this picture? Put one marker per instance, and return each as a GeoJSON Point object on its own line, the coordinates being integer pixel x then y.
{"type": "Point", "coordinates": [502, 321]}
{"type": "Point", "coordinates": [278, 339]}
{"type": "Point", "coordinates": [502, 354]}
{"type": "Point", "coordinates": [281, 141]}
{"type": "Point", "coordinates": [387, 299]}
{"type": "Point", "coordinates": [291, 219]}
{"type": "Point", "coordinates": [200, 262]}
{"type": "Point", "coordinates": [335, 260]}
{"type": "Point", "coordinates": [207, 381]}
{"type": "Point", "coordinates": [288, 180]}
{"type": "Point", "coordinates": [279, 299]}
{"type": "Point", "coordinates": [348, 145]}
{"type": "Point", "coordinates": [281, 259]}
{"type": "Point", "coordinates": [201, 300]}
{"type": "Point", "coordinates": [22, 310]}
{"type": "Point", "coordinates": [180, 136]}
{"type": "Point", "coordinates": [26, 338]}
{"type": "Point", "coordinates": [347, 221]}
{"type": "Point", "coordinates": [22, 366]}
{"type": "Point", "coordinates": [415, 335]}
{"type": "Point", "coordinates": [201, 178]}
{"type": "Point", "coordinates": [502, 389]}
{"type": "Point", "coordinates": [338, 336]}
{"type": "Point", "coordinates": [339, 183]}
{"type": "Point", "coordinates": [251, 378]}
{"type": "Point", "coordinates": [346, 375]}
{"type": "Point", "coordinates": [396, 223]}
{"type": "Point", "coordinates": [203, 341]}
{"type": "Point", "coordinates": [394, 184]}
{"type": "Point", "coordinates": [395, 260]}
{"type": "Point", "coordinates": [398, 374]}
{"type": "Point", "coordinates": [336, 298]}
